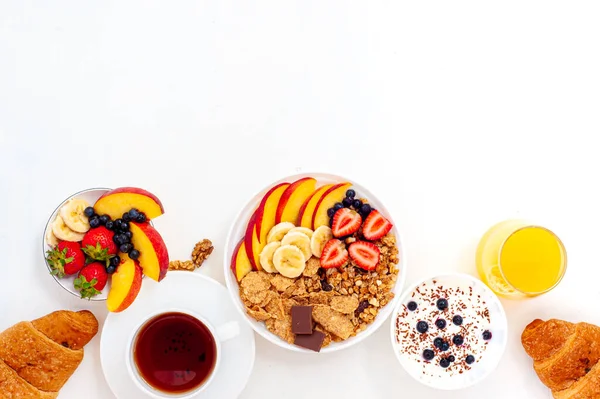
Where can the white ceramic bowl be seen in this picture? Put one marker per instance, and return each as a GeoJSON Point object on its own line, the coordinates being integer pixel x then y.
{"type": "Point", "coordinates": [238, 229]}
{"type": "Point", "coordinates": [91, 195]}
{"type": "Point", "coordinates": [488, 359]}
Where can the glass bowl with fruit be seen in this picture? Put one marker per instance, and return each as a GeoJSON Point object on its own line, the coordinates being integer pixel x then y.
{"type": "Point", "coordinates": [99, 243]}
{"type": "Point", "coordinates": [314, 262]}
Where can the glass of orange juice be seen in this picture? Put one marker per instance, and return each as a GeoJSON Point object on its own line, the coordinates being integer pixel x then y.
{"type": "Point", "coordinates": [517, 259]}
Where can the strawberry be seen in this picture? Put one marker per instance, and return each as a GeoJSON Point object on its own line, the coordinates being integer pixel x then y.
{"type": "Point", "coordinates": [345, 222]}
{"type": "Point", "coordinates": [92, 279]}
{"type": "Point", "coordinates": [364, 254]}
{"type": "Point", "coordinates": [65, 258]}
{"type": "Point", "coordinates": [334, 254]}
{"type": "Point", "coordinates": [98, 244]}
{"type": "Point", "coordinates": [376, 226]}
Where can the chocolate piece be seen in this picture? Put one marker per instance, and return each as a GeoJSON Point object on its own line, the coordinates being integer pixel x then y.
{"type": "Point", "coordinates": [314, 341]}
{"type": "Point", "coordinates": [302, 320]}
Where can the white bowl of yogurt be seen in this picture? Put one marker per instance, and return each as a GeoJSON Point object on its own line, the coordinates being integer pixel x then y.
{"type": "Point", "coordinates": [449, 332]}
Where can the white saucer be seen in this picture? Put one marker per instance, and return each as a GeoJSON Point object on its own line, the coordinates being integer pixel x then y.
{"type": "Point", "coordinates": [184, 290]}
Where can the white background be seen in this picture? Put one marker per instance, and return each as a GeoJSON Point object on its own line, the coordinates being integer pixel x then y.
{"type": "Point", "coordinates": [457, 114]}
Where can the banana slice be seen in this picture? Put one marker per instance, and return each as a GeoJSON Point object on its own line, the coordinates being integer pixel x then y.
{"type": "Point", "coordinates": [299, 240]}
{"type": "Point", "coordinates": [289, 261]}
{"type": "Point", "coordinates": [73, 216]}
{"type": "Point", "coordinates": [266, 256]}
{"type": "Point", "coordinates": [51, 239]}
{"type": "Point", "coordinates": [303, 230]}
{"type": "Point", "coordinates": [279, 230]}
{"type": "Point", "coordinates": [318, 240]}
{"type": "Point", "coordinates": [62, 232]}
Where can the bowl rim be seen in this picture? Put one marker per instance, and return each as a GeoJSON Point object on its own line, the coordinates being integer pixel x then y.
{"type": "Point", "coordinates": [480, 284]}
{"type": "Point", "coordinates": [232, 284]}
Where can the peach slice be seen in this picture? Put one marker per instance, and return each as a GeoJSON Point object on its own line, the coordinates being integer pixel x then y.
{"type": "Point", "coordinates": [329, 198]}
{"type": "Point", "coordinates": [293, 198]}
{"type": "Point", "coordinates": [251, 242]}
{"type": "Point", "coordinates": [240, 263]}
{"type": "Point", "coordinates": [308, 208]}
{"type": "Point", "coordinates": [120, 200]}
{"type": "Point", "coordinates": [125, 284]}
{"type": "Point", "coordinates": [267, 210]}
{"type": "Point", "coordinates": [154, 257]}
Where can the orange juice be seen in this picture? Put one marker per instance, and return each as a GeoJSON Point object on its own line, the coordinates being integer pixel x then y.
{"type": "Point", "coordinates": [517, 259]}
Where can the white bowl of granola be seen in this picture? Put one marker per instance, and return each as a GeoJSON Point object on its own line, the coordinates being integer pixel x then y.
{"type": "Point", "coordinates": [349, 302]}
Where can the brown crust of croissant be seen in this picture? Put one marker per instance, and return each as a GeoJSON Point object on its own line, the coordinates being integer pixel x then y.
{"type": "Point", "coordinates": [12, 386]}
{"type": "Point", "coordinates": [72, 330]}
{"type": "Point", "coordinates": [566, 357]}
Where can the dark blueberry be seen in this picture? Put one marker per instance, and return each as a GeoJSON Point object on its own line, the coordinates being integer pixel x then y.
{"type": "Point", "coordinates": [115, 260]}
{"type": "Point", "coordinates": [451, 359]}
{"type": "Point", "coordinates": [428, 354]}
{"type": "Point", "coordinates": [422, 327]}
{"type": "Point", "coordinates": [125, 248]}
{"type": "Point", "coordinates": [412, 306]}
{"type": "Point", "coordinates": [128, 234]}
{"type": "Point", "coordinates": [438, 342]}
{"type": "Point", "coordinates": [124, 226]}
{"type": "Point", "coordinates": [357, 204]}
{"type": "Point", "coordinates": [457, 320]}
{"type": "Point", "coordinates": [330, 212]}
{"type": "Point", "coordinates": [110, 225]}
{"type": "Point", "coordinates": [338, 206]}
{"type": "Point", "coordinates": [119, 239]}
{"type": "Point", "coordinates": [126, 217]}
{"type": "Point", "coordinates": [118, 224]}
{"type": "Point", "coordinates": [444, 363]}
{"type": "Point", "coordinates": [487, 335]}
{"type": "Point", "coordinates": [458, 340]}
{"type": "Point", "coordinates": [104, 219]}
{"type": "Point", "coordinates": [89, 212]}
{"type": "Point", "coordinates": [440, 323]}
{"type": "Point", "coordinates": [365, 209]}
{"type": "Point", "coordinates": [110, 269]}
{"type": "Point", "coordinates": [470, 359]}
{"type": "Point", "coordinates": [442, 304]}
{"type": "Point", "coordinates": [134, 254]}
{"type": "Point", "coordinates": [445, 346]}
{"type": "Point", "coordinates": [94, 222]}
{"type": "Point", "coordinates": [347, 202]}
{"type": "Point", "coordinates": [141, 218]}
{"type": "Point", "coordinates": [133, 214]}
{"type": "Point", "coordinates": [350, 193]}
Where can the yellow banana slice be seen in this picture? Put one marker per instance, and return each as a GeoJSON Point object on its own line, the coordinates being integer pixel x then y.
{"type": "Point", "coordinates": [318, 240]}
{"type": "Point", "coordinates": [73, 216]}
{"type": "Point", "coordinates": [303, 230]}
{"type": "Point", "coordinates": [266, 256]}
{"type": "Point", "coordinates": [62, 232]}
{"type": "Point", "coordinates": [51, 239]}
{"type": "Point", "coordinates": [299, 240]}
{"type": "Point", "coordinates": [279, 230]}
{"type": "Point", "coordinates": [289, 261]}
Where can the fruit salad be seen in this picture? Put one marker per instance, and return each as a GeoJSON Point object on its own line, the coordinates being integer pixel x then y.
{"type": "Point", "coordinates": [111, 238]}
{"type": "Point", "coordinates": [321, 246]}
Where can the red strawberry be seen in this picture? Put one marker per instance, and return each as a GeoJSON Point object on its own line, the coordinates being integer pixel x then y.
{"type": "Point", "coordinates": [376, 226]}
{"type": "Point", "coordinates": [65, 258]}
{"type": "Point", "coordinates": [91, 280]}
{"type": "Point", "coordinates": [364, 254]}
{"type": "Point", "coordinates": [98, 244]}
{"type": "Point", "coordinates": [345, 222]}
{"type": "Point", "coordinates": [334, 254]}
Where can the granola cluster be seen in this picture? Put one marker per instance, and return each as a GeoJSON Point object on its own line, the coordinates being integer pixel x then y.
{"type": "Point", "coordinates": [345, 300]}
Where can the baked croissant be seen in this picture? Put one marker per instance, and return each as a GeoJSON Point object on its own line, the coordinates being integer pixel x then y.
{"type": "Point", "coordinates": [37, 358]}
{"type": "Point", "coordinates": [565, 357]}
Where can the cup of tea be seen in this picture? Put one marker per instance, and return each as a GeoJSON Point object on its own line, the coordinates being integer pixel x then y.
{"type": "Point", "coordinates": [176, 353]}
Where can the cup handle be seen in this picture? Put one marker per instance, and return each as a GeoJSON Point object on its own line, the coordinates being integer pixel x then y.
{"type": "Point", "coordinates": [228, 331]}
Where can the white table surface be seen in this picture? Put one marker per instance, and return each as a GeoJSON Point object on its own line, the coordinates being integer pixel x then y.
{"type": "Point", "coordinates": [457, 114]}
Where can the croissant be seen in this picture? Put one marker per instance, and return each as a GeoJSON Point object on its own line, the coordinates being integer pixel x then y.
{"type": "Point", "coordinates": [565, 357]}
{"type": "Point", "coordinates": [37, 358]}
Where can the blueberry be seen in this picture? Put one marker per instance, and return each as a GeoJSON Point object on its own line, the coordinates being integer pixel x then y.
{"type": "Point", "coordinates": [110, 225]}
{"type": "Point", "coordinates": [357, 204]}
{"type": "Point", "coordinates": [458, 340]}
{"type": "Point", "coordinates": [104, 219]}
{"type": "Point", "coordinates": [451, 359]}
{"type": "Point", "coordinates": [438, 342]}
{"type": "Point", "coordinates": [487, 335]}
{"type": "Point", "coordinates": [470, 359]}
{"type": "Point", "coordinates": [412, 306]}
{"type": "Point", "coordinates": [445, 346]}
{"type": "Point", "coordinates": [94, 222]}
{"type": "Point", "coordinates": [350, 193]}
{"type": "Point", "coordinates": [128, 234]}
{"type": "Point", "coordinates": [428, 354]}
{"type": "Point", "coordinates": [133, 213]}
{"type": "Point", "coordinates": [120, 239]}
{"type": "Point", "coordinates": [110, 269]}
{"type": "Point", "coordinates": [442, 304]}
{"type": "Point", "coordinates": [365, 209]}
{"type": "Point", "coordinates": [89, 212]}
{"type": "Point", "coordinates": [347, 202]}
{"type": "Point", "coordinates": [330, 212]}
{"type": "Point", "coordinates": [457, 320]}
{"type": "Point", "coordinates": [124, 226]}
{"type": "Point", "coordinates": [115, 260]}
{"type": "Point", "coordinates": [134, 254]}
{"type": "Point", "coordinates": [126, 217]}
{"type": "Point", "coordinates": [440, 323]}
{"type": "Point", "coordinates": [118, 224]}
{"type": "Point", "coordinates": [422, 327]}
{"type": "Point", "coordinates": [141, 218]}
{"type": "Point", "coordinates": [126, 247]}
{"type": "Point", "coordinates": [338, 206]}
{"type": "Point", "coordinates": [444, 363]}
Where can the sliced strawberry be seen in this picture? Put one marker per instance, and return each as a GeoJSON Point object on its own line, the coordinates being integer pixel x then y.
{"type": "Point", "coordinates": [345, 222]}
{"type": "Point", "coordinates": [364, 254]}
{"type": "Point", "coordinates": [376, 226]}
{"type": "Point", "coordinates": [91, 280]}
{"type": "Point", "coordinates": [334, 254]}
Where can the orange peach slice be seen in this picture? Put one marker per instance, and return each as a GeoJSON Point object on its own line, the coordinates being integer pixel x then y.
{"type": "Point", "coordinates": [125, 284]}
{"type": "Point", "coordinates": [240, 263]}
{"type": "Point", "coordinates": [154, 257]}
{"type": "Point", "coordinates": [120, 200]}
{"type": "Point", "coordinates": [307, 210]}
{"type": "Point", "coordinates": [293, 198]}
{"type": "Point", "coordinates": [251, 242]}
{"type": "Point", "coordinates": [329, 198]}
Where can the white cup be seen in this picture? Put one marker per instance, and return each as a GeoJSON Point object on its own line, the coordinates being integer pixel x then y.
{"type": "Point", "coordinates": [220, 334]}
